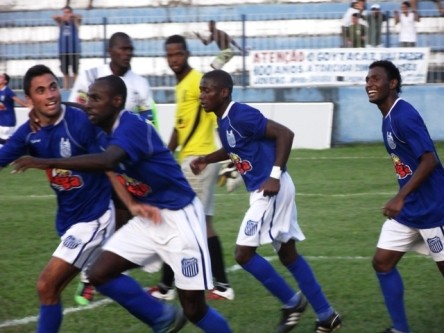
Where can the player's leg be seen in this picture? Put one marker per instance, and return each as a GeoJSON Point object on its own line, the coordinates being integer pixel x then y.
{"type": "Point", "coordinates": [52, 281]}
{"type": "Point", "coordinates": [64, 62]}
{"type": "Point", "coordinates": [432, 243]}
{"type": "Point", "coordinates": [394, 241]}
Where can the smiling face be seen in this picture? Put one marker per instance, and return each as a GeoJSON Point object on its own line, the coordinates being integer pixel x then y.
{"type": "Point", "coordinates": [44, 94]}
{"type": "Point", "coordinates": [380, 89]}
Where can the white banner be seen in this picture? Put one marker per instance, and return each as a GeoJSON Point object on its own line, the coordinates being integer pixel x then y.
{"type": "Point", "coordinates": [286, 68]}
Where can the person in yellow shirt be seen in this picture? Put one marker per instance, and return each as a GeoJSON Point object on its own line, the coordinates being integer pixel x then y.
{"type": "Point", "coordinates": [194, 133]}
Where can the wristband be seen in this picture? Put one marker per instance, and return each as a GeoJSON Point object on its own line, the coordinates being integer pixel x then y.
{"type": "Point", "coordinates": [276, 172]}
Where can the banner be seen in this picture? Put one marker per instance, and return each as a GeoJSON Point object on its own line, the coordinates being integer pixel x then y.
{"type": "Point", "coordinates": [306, 67]}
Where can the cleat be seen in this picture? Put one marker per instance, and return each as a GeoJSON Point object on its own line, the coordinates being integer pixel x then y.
{"type": "Point", "coordinates": [331, 324]}
{"type": "Point", "coordinates": [291, 316]}
{"type": "Point", "coordinates": [84, 293]}
{"type": "Point", "coordinates": [174, 324]}
{"type": "Point", "coordinates": [162, 294]}
{"type": "Point", "coordinates": [227, 294]}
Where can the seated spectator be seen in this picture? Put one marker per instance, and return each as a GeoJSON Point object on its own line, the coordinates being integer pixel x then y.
{"type": "Point", "coordinates": [375, 21]}
{"type": "Point", "coordinates": [356, 33]}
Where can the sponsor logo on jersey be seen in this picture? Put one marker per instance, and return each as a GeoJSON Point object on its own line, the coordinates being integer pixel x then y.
{"type": "Point", "coordinates": [134, 186]}
{"type": "Point", "coordinates": [402, 170]}
{"type": "Point", "coordinates": [65, 148]}
{"type": "Point", "coordinates": [242, 166]}
{"type": "Point", "coordinates": [435, 244]}
{"type": "Point", "coordinates": [391, 143]}
{"type": "Point", "coordinates": [71, 242]}
{"type": "Point", "coordinates": [251, 228]}
{"type": "Point", "coordinates": [190, 267]}
{"type": "Point", "coordinates": [63, 180]}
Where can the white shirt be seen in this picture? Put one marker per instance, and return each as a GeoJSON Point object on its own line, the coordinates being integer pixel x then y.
{"type": "Point", "coordinates": [407, 28]}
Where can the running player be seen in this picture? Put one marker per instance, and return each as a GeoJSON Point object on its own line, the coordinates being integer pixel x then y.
{"type": "Point", "coordinates": [178, 237]}
{"type": "Point", "coordinates": [259, 148]}
{"type": "Point", "coordinates": [415, 215]}
{"type": "Point", "coordinates": [195, 133]}
{"type": "Point", "coordinates": [85, 213]}
{"type": "Point", "coordinates": [8, 119]}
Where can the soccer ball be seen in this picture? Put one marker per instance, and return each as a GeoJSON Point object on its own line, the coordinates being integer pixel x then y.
{"type": "Point", "coordinates": [229, 177]}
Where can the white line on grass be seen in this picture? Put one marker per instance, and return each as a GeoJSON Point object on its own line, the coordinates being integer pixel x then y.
{"type": "Point", "coordinates": [96, 304]}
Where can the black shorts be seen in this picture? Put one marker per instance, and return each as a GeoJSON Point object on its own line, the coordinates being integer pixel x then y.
{"type": "Point", "coordinates": [67, 60]}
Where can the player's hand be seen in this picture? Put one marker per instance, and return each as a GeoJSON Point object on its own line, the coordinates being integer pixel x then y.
{"type": "Point", "coordinates": [270, 187]}
{"type": "Point", "coordinates": [393, 207]}
{"type": "Point", "coordinates": [146, 211]}
{"type": "Point", "coordinates": [27, 162]}
{"type": "Point", "coordinates": [198, 164]}
{"type": "Point", "coordinates": [34, 121]}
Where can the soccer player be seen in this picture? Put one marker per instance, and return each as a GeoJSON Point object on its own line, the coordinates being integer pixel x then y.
{"type": "Point", "coordinates": [223, 41]}
{"type": "Point", "coordinates": [195, 132]}
{"type": "Point", "coordinates": [415, 215]}
{"type": "Point", "coordinates": [85, 213]}
{"type": "Point", "coordinates": [8, 119]}
{"type": "Point", "coordinates": [259, 148]}
{"type": "Point", "coordinates": [139, 100]}
{"type": "Point", "coordinates": [176, 235]}
{"type": "Point", "coordinates": [120, 50]}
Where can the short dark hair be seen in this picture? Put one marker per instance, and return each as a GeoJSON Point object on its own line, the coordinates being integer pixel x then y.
{"type": "Point", "coordinates": [37, 70]}
{"type": "Point", "coordinates": [7, 78]}
{"type": "Point", "coordinates": [391, 70]}
{"type": "Point", "coordinates": [177, 39]}
{"type": "Point", "coordinates": [223, 79]}
{"type": "Point", "coordinates": [115, 36]}
{"type": "Point", "coordinates": [116, 86]}
{"type": "Point", "coordinates": [67, 7]}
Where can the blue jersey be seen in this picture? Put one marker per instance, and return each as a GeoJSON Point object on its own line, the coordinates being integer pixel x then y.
{"type": "Point", "coordinates": [81, 196]}
{"type": "Point", "coordinates": [150, 173]}
{"type": "Point", "coordinates": [7, 113]}
{"type": "Point", "coordinates": [406, 139]}
{"type": "Point", "coordinates": [69, 41]}
{"type": "Point", "coordinates": [241, 131]}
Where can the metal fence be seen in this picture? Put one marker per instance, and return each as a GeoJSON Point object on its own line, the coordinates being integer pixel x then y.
{"type": "Point", "coordinates": [24, 42]}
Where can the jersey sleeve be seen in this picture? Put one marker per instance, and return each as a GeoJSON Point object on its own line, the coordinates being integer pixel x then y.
{"type": "Point", "coordinates": [15, 147]}
{"type": "Point", "coordinates": [250, 122]}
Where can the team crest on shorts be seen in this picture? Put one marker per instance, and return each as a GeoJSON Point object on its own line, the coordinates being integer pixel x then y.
{"type": "Point", "coordinates": [71, 242]}
{"type": "Point", "coordinates": [435, 244]}
{"type": "Point", "coordinates": [251, 228]}
{"type": "Point", "coordinates": [190, 267]}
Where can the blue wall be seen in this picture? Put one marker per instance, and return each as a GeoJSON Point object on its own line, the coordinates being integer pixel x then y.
{"type": "Point", "coordinates": [355, 119]}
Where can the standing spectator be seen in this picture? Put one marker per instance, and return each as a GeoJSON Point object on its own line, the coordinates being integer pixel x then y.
{"type": "Point", "coordinates": [356, 33]}
{"type": "Point", "coordinates": [439, 6]}
{"type": "Point", "coordinates": [195, 133]}
{"type": "Point", "coordinates": [356, 7]}
{"type": "Point", "coordinates": [407, 25]}
{"type": "Point", "coordinates": [121, 51]}
{"type": "Point", "coordinates": [90, 4]}
{"type": "Point", "coordinates": [69, 43]}
{"type": "Point", "coordinates": [415, 215]}
{"type": "Point", "coordinates": [375, 20]}
{"type": "Point", "coordinates": [259, 148]}
{"type": "Point", "coordinates": [145, 170]}
{"type": "Point", "coordinates": [223, 41]}
{"type": "Point", "coordinates": [8, 119]}
{"type": "Point", "coordinates": [85, 212]}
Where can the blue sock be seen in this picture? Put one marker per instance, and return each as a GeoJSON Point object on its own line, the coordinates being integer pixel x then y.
{"type": "Point", "coordinates": [310, 287]}
{"type": "Point", "coordinates": [129, 294]}
{"type": "Point", "coordinates": [263, 271]}
{"type": "Point", "coordinates": [393, 291]}
{"type": "Point", "coordinates": [213, 322]}
{"type": "Point", "coordinates": [50, 318]}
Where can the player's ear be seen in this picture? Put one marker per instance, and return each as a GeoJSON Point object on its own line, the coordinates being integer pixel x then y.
{"type": "Point", "coordinates": [118, 101]}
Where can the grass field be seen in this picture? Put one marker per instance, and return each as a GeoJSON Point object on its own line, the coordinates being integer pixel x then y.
{"type": "Point", "coordinates": [339, 195]}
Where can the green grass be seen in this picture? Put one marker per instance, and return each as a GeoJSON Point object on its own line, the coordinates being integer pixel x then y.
{"type": "Point", "coordinates": [339, 195]}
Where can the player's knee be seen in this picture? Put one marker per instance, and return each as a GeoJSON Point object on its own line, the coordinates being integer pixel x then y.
{"type": "Point", "coordinates": [380, 265]}
{"type": "Point", "coordinates": [45, 290]}
{"type": "Point", "coordinates": [243, 254]}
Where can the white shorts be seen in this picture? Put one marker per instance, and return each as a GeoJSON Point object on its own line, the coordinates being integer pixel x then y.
{"type": "Point", "coordinates": [81, 244]}
{"type": "Point", "coordinates": [271, 219]}
{"type": "Point", "coordinates": [6, 132]}
{"type": "Point", "coordinates": [398, 237]}
{"type": "Point", "coordinates": [204, 183]}
{"type": "Point", "coordinates": [179, 240]}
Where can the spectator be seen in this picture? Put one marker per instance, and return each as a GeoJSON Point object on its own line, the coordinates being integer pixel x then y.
{"type": "Point", "coordinates": [356, 33]}
{"type": "Point", "coordinates": [90, 4]}
{"type": "Point", "coordinates": [439, 6]}
{"type": "Point", "coordinates": [223, 41]}
{"type": "Point", "coordinates": [69, 43]}
{"type": "Point", "coordinates": [374, 20]}
{"type": "Point", "coordinates": [407, 25]}
{"type": "Point", "coordinates": [356, 6]}
{"type": "Point", "coordinates": [8, 120]}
